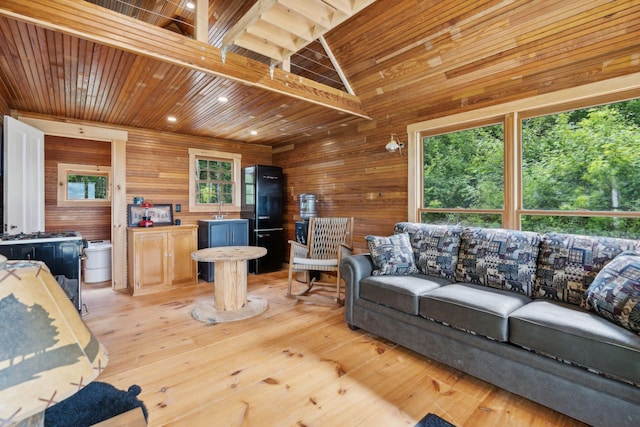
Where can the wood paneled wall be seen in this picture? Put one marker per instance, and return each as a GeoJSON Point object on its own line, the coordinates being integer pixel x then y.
{"type": "Point", "coordinates": [444, 58]}
{"type": "Point", "coordinates": [158, 167]}
{"type": "Point", "coordinates": [94, 223]}
{"type": "Point", "coordinates": [353, 175]}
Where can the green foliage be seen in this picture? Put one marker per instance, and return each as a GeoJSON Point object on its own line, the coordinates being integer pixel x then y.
{"type": "Point", "coordinates": [93, 186]}
{"type": "Point", "coordinates": [461, 218]}
{"type": "Point", "coordinates": [465, 169]}
{"type": "Point", "coordinates": [214, 181]}
{"type": "Point", "coordinates": [587, 159]}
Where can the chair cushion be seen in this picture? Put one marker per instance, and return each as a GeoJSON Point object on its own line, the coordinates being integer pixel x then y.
{"type": "Point", "coordinates": [474, 308]}
{"type": "Point", "coordinates": [568, 263]}
{"type": "Point", "coordinates": [392, 255]}
{"type": "Point", "coordinates": [578, 336]}
{"type": "Point", "coordinates": [615, 292]}
{"type": "Point", "coordinates": [435, 247]}
{"type": "Point", "coordinates": [499, 258]}
{"type": "Point", "coordinates": [310, 261]}
{"type": "Point", "coordinates": [399, 292]}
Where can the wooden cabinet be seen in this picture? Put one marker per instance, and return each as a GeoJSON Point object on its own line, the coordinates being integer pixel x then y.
{"type": "Point", "coordinates": [159, 258]}
{"type": "Point", "coordinates": [215, 233]}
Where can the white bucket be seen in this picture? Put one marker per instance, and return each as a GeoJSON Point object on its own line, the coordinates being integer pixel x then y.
{"type": "Point", "coordinates": [97, 265]}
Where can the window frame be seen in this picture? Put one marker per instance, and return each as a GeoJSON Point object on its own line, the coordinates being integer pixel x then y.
{"type": "Point", "coordinates": [487, 121]}
{"type": "Point", "coordinates": [236, 166]}
{"type": "Point", "coordinates": [613, 90]}
{"type": "Point", "coordinates": [66, 169]}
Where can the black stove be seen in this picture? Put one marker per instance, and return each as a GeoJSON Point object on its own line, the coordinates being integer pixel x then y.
{"type": "Point", "coordinates": [61, 251]}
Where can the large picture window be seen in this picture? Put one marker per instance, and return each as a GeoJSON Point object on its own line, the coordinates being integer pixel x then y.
{"type": "Point", "coordinates": [464, 170]}
{"type": "Point", "coordinates": [583, 160]}
{"type": "Point", "coordinates": [570, 167]}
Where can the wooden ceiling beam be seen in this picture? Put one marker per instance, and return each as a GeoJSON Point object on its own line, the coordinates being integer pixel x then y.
{"type": "Point", "coordinates": [275, 35]}
{"type": "Point", "coordinates": [280, 15]}
{"type": "Point", "coordinates": [321, 13]}
{"type": "Point", "coordinates": [261, 46]}
{"type": "Point", "coordinates": [250, 18]}
{"type": "Point", "coordinates": [89, 22]}
{"type": "Point", "coordinates": [344, 6]}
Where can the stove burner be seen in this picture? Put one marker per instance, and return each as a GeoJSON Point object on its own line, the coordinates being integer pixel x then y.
{"type": "Point", "coordinates": [38, 235]}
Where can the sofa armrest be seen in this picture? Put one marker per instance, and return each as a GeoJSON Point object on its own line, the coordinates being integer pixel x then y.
{"type": "Point", "coordinates": [352, 269]}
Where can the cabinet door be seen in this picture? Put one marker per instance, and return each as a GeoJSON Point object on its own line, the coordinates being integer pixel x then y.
{"type": "Point", "coordinates": [68, 256]}
{"type": "Point", "coordinates": [182, 269]}
{"type": "Point", "coordinates": [238, 233]}
{"type": "Point", "coordinates": [218, 234]}
{"type": "Point", "coordinates": [26, 252]}
{"type": "Point", "coordinates": [18, 252]}
{"type": "Point", "coordinates": [150, 260]}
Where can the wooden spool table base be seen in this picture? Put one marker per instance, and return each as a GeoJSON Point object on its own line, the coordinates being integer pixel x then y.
{"type": "Point", "coordinates": [205, 311]}
{"type": "Point", "coordinates": [230, 301]}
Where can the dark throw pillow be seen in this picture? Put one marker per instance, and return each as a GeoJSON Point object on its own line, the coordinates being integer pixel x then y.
{"type": "Point", "coordinates": [615, 292]}
{"type": "Point", "coordinates": [392, 255]}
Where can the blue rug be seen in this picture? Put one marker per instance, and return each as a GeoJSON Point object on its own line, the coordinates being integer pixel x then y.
{"type": "Point", "coordinates": [96, 402]}
{"type": "Point", "coordinates": [431, 420]}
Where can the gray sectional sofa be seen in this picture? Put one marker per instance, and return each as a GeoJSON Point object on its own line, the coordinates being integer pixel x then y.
{"type": "Point", "coordinates": [549, 317]}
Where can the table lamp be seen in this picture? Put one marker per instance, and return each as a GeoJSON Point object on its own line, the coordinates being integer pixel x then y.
{"type": "Point", "coordinates": [47, 353]}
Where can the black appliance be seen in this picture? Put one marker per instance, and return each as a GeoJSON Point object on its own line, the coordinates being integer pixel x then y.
{"type": "Point", "coordinates": [302, 235]}
{"type": "Point", "coordinates": [302, 231]}
{"type": "Point", "coordinates": [60, 251]}
{"type": "Point", "coordinates": [262, 200]}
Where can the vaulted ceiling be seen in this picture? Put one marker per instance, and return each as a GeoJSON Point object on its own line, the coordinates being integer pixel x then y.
{"type": "Point", "coordinates": [136, 62]}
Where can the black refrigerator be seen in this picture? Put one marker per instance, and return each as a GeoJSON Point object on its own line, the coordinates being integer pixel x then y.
{"type": "Point", "coordinates": [262, 194]}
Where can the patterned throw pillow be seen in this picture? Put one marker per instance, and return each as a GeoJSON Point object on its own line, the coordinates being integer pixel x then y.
{"type": "Point", "coordinates": [568, 263]}
{"type": "Point", "coordinates": [392, 255]}
{"type": "Point", "coordinates": [499, 258]}
{"type": "Point", "coordinates": [435, 247]}
{"type": "Point", "coordinates": [615, 292]}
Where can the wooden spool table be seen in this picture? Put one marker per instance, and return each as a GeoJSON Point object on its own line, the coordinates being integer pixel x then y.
{"type": "Point", "coordinates": [231, 301]}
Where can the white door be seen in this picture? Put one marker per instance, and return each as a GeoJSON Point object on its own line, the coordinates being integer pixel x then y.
{"type": "Point", "coordinates": [23, 204]}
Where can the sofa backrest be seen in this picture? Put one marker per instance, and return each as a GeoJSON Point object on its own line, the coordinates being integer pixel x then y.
{"type": "Point", "coordinates": [568, 263]}
{"type": "Point", "coordinates": [552, 266]}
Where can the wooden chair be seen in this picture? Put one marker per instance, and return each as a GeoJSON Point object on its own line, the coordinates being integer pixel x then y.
{"type": "Point", "coordinates": [330, 239]}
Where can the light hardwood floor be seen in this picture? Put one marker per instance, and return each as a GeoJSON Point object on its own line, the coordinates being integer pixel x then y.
{"type": "Point", "coordinates": [294, 365]}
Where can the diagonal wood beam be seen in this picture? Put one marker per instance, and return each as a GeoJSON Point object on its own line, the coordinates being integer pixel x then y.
{"type": "Point", "coordinates": [89, 22]}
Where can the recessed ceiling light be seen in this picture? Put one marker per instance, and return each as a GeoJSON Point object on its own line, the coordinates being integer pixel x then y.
{"type": "Point", "coordinates": [223, 99]}
{"type": "Point", "coordinates": [190, 5]}
{"type": "Point", "coordinates": [172, 119]}
{"type": "Point", "coordinates": [254, 132]}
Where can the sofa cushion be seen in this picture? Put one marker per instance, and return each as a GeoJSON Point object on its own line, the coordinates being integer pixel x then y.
{"type": "Point", "coordinates": [435, 247]}
{"type": "Point", "coordinates": [615, 292]}
{"type": "Point", "coordinates": [568, 263]}
{"type": "Point", "coordinates": [473, 308]}
{"type": "Point", "coordinates": [392, 255]}
{"type": "Point", "coordinates": [498, 258]}
{"type": "Point", "coordinates": [399, 292]}
{"type": "Point", "coordinates": [572, 334]}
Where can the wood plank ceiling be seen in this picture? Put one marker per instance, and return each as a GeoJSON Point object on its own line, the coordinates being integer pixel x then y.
{"type": "Point", "coordinates": [406, 60]}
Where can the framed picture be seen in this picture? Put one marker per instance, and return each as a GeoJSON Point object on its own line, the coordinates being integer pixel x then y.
{"type": "Point", "coordinates": [160, 214]}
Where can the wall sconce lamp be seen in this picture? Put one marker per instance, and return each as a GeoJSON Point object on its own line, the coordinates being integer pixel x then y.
{"type": "Point", "coordinates": [394, 145]}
